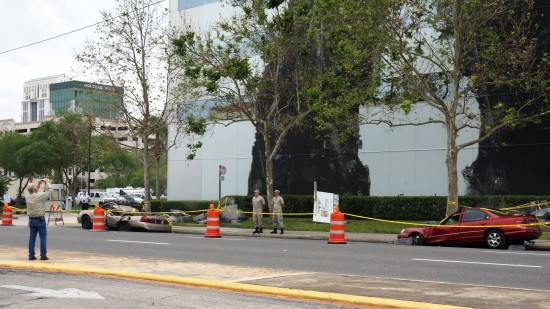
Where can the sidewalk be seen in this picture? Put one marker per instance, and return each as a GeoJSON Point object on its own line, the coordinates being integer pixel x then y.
{"type": "Point", "coordinates": [347, 289]}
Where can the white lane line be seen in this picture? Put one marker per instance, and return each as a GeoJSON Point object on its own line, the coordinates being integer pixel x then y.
{"type": "Point", "coordinates": [480, 263]}
{"type": "Point", "coordinates": [221, 238]}
{"type": "Point", "coordinates": [520, 253]}
{"type": "Point", "coordinates": [140, 242]}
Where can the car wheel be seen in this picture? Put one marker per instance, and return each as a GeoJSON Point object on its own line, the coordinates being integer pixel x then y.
{"type": "Point", "coordinates": [86, 222]}
{"type": "Point", "coordinates": [417, 239]}
{"type": "Point", "coordinates": [124, 226]}
{"type": "Point", "coordinates": [495, 239]}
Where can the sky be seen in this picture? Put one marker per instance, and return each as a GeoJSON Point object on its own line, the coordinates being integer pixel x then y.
{"type": "Point", "coordinates": [23, 22]}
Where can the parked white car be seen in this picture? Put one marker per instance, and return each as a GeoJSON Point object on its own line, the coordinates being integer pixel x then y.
{"type": "Point", "coordinates": [99, 197]}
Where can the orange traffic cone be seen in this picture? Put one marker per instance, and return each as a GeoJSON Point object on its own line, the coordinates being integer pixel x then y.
{"type": "Point", "coordinates": [99, 219]}
{"type": "Point", "coordinates": [6, 215]}
{"type": "Point", "coordinates": [337, 227]}
{"type": "Point", "coordinates": [213, 223]}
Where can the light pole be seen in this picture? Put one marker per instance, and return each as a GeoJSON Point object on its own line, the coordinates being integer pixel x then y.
{"type": "Point", "coordinates": [89, 151]}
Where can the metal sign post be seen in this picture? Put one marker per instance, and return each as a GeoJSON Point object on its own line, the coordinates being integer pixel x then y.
{"type": "Point", "coordinates": [222, 171]}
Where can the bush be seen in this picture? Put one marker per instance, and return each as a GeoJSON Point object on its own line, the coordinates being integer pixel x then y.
{"type": "Point", "coordinates": [406, 208]}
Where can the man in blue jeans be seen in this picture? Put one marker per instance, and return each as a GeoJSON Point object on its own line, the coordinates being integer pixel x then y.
{"type": "Point", "coordinates": [36, 211]}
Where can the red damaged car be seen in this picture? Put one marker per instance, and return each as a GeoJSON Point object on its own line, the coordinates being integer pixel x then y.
{"type": "Point", "coordinates": [477, 226]}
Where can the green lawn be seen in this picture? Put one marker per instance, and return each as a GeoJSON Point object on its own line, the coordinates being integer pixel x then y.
{"type": "Point", "coordinates": [352, 226]}
{"type": "Point", "coordinates": [307, 224]}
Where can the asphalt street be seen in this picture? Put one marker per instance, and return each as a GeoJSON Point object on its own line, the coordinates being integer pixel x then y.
{"type": "Point", "coordinates": [372, 269]}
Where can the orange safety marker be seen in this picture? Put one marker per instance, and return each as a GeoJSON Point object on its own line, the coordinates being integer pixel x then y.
{"type": "Point", "coordinates": [337, 227]}
{"type": "Point", "coordinates": [99, 219]}
{"type": "Point", "coordinates": [213, 223]}
{"type": "Point", "coordinates": [6, 215]}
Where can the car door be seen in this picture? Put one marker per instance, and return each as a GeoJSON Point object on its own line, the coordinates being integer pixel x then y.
{"type": "Point", "coordinates": [473, 225]}
{"type": "Point", "coordinates": [447, 231]}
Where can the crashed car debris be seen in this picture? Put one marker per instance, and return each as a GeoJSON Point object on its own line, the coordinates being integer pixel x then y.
{"type": "Point", "coordinates": [126, 218]}
{"type": "Point", "coordinates": [477, 226]}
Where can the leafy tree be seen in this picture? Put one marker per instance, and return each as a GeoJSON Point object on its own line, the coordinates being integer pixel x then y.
{"type": "Point", "coordinates": [450, 57]}
{"type": "Point", "coordinates": [24, 157]}
{"type": "Point", "coordinates": [251, 67]}
{"type": "Point", "coordinates": [4, 184]}
{"type": "Point", "coordinates": [131, 53]}
{"type": "Point", "coordinates": [72, 137]}
{"type": "Point", "coordinates": [69, 136]}
{"type": "Point", "coordinates": [119, 164]}
{"type": "Point", "coordinates": [349, 37]}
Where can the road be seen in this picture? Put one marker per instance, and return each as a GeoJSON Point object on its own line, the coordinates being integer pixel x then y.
{"type": "Point", "coordinates": [24, 289]}
{"type": "Point", "coordinates": [475, 266]}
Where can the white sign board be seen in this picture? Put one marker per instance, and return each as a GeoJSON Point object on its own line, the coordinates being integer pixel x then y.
{"type": "Point", "coordinates": [324, 206]}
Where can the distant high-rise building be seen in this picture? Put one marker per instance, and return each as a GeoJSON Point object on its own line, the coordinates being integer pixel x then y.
{"type": "Point", "coordinates": [36, 97]}
{"type": "Point", "coordinates": [46, 96]}
{"type": "Point", "coordinates": [87, 98]}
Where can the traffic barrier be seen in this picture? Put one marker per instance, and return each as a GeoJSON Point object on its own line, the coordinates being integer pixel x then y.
{"type": "Point", "coordinates": [56, 212]}
{"type": "Point", "coordinates": [213, 223]}
{"type": "Point", "coordinates": [99, 219]}
{"type": "Point", "coordinates": [6, 215]}
{"type": "Point", "coordinates": [337, 227]}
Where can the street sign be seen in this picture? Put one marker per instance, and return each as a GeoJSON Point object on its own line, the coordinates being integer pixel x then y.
{"type": "Point", "coordinates": [222, 169]}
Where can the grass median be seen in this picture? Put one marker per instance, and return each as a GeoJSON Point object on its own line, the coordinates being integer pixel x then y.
{"type": "Point", "coordinates": [352, 226]}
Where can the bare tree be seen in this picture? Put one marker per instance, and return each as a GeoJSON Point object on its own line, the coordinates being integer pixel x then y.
{"type": "Point", "coordinates": [132, 53]}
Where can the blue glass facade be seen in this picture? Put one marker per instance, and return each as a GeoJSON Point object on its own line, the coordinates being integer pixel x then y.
{"type": "Point", "coordinates": [187, 4]}
{"type": "Point", "coordinates": [102, 101]}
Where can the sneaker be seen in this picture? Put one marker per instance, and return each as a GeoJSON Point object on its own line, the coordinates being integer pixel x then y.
{"type": "Point", "coordinates": [32, 258]}
{"type": "Point", "coordinates": [43, 258]}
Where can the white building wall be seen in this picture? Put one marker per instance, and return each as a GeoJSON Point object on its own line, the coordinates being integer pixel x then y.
{"type": "Point", "coordinates": [197, 179]}
{"type": "Point", "coordinates": [404, 160]}
{"type": "Point", "coordinates": [410, 160]}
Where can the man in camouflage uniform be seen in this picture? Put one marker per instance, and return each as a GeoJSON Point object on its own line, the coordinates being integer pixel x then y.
{"type": "Point", "coordinates": [258, 204]}
{"type": "Point", "coordinates": [278, 205]}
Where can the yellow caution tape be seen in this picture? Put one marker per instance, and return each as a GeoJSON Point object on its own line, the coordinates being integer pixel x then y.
{"type": "Point", "coordinates": [224, 208]}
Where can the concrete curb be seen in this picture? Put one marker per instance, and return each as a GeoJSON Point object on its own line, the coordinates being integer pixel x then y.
{"type": "Point", "coordinates": [232, 286]}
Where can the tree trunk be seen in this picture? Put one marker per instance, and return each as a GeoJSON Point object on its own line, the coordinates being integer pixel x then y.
{"type": "Point", "coordinates": [452, 174]}
{"type": "Point", "coordinates": [157, 178]}
{"type": "Point", "coordinates": [268, 170]}
{"type": "Point", "coordinates": [146, 174]}
{"type": "Point", "coordinates": [158, 155]}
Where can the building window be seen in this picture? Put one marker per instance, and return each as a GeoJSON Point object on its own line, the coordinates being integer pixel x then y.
{"type": "Point", "coordinates": [34, 111]}
{"type": "Point", "coordinates": [25, 116]}
{"type": "Point", "coordinates": [41, 110]}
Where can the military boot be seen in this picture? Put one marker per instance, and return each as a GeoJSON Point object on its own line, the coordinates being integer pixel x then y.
{"type": "Point", "coordinates": [261, 230]}
{"type": "Point", "coordinates": [256, 231]}
{"type": "Point", "coordinates": [274, 231]}
{"type": "Point", "coordinates": [282, 231]}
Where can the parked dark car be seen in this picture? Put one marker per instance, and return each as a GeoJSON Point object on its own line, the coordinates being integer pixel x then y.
{"type": "Point", "coordinates": [128, 200]}
{"type": "Point", "coordinates": [477, 226]}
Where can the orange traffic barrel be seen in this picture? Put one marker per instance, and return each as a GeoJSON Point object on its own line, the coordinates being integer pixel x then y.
{"type": "Point", "coordinates": [6, 215]}
{"type": "Point", "coordinates": [337, 224]}
{"type": "Point", "coordinates": [213, 223]}
{"type": "Point", "coordinates": [99, 219]}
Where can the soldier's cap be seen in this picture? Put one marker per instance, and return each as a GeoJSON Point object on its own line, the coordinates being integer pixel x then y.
{"type": "Point", "coordinates": [256, 191]}
{"type": "Point", "coordinates": [277, 191]}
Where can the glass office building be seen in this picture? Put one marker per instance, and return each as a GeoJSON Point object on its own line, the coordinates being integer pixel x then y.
{"type": "Point", "coordinates": [102, 101]}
